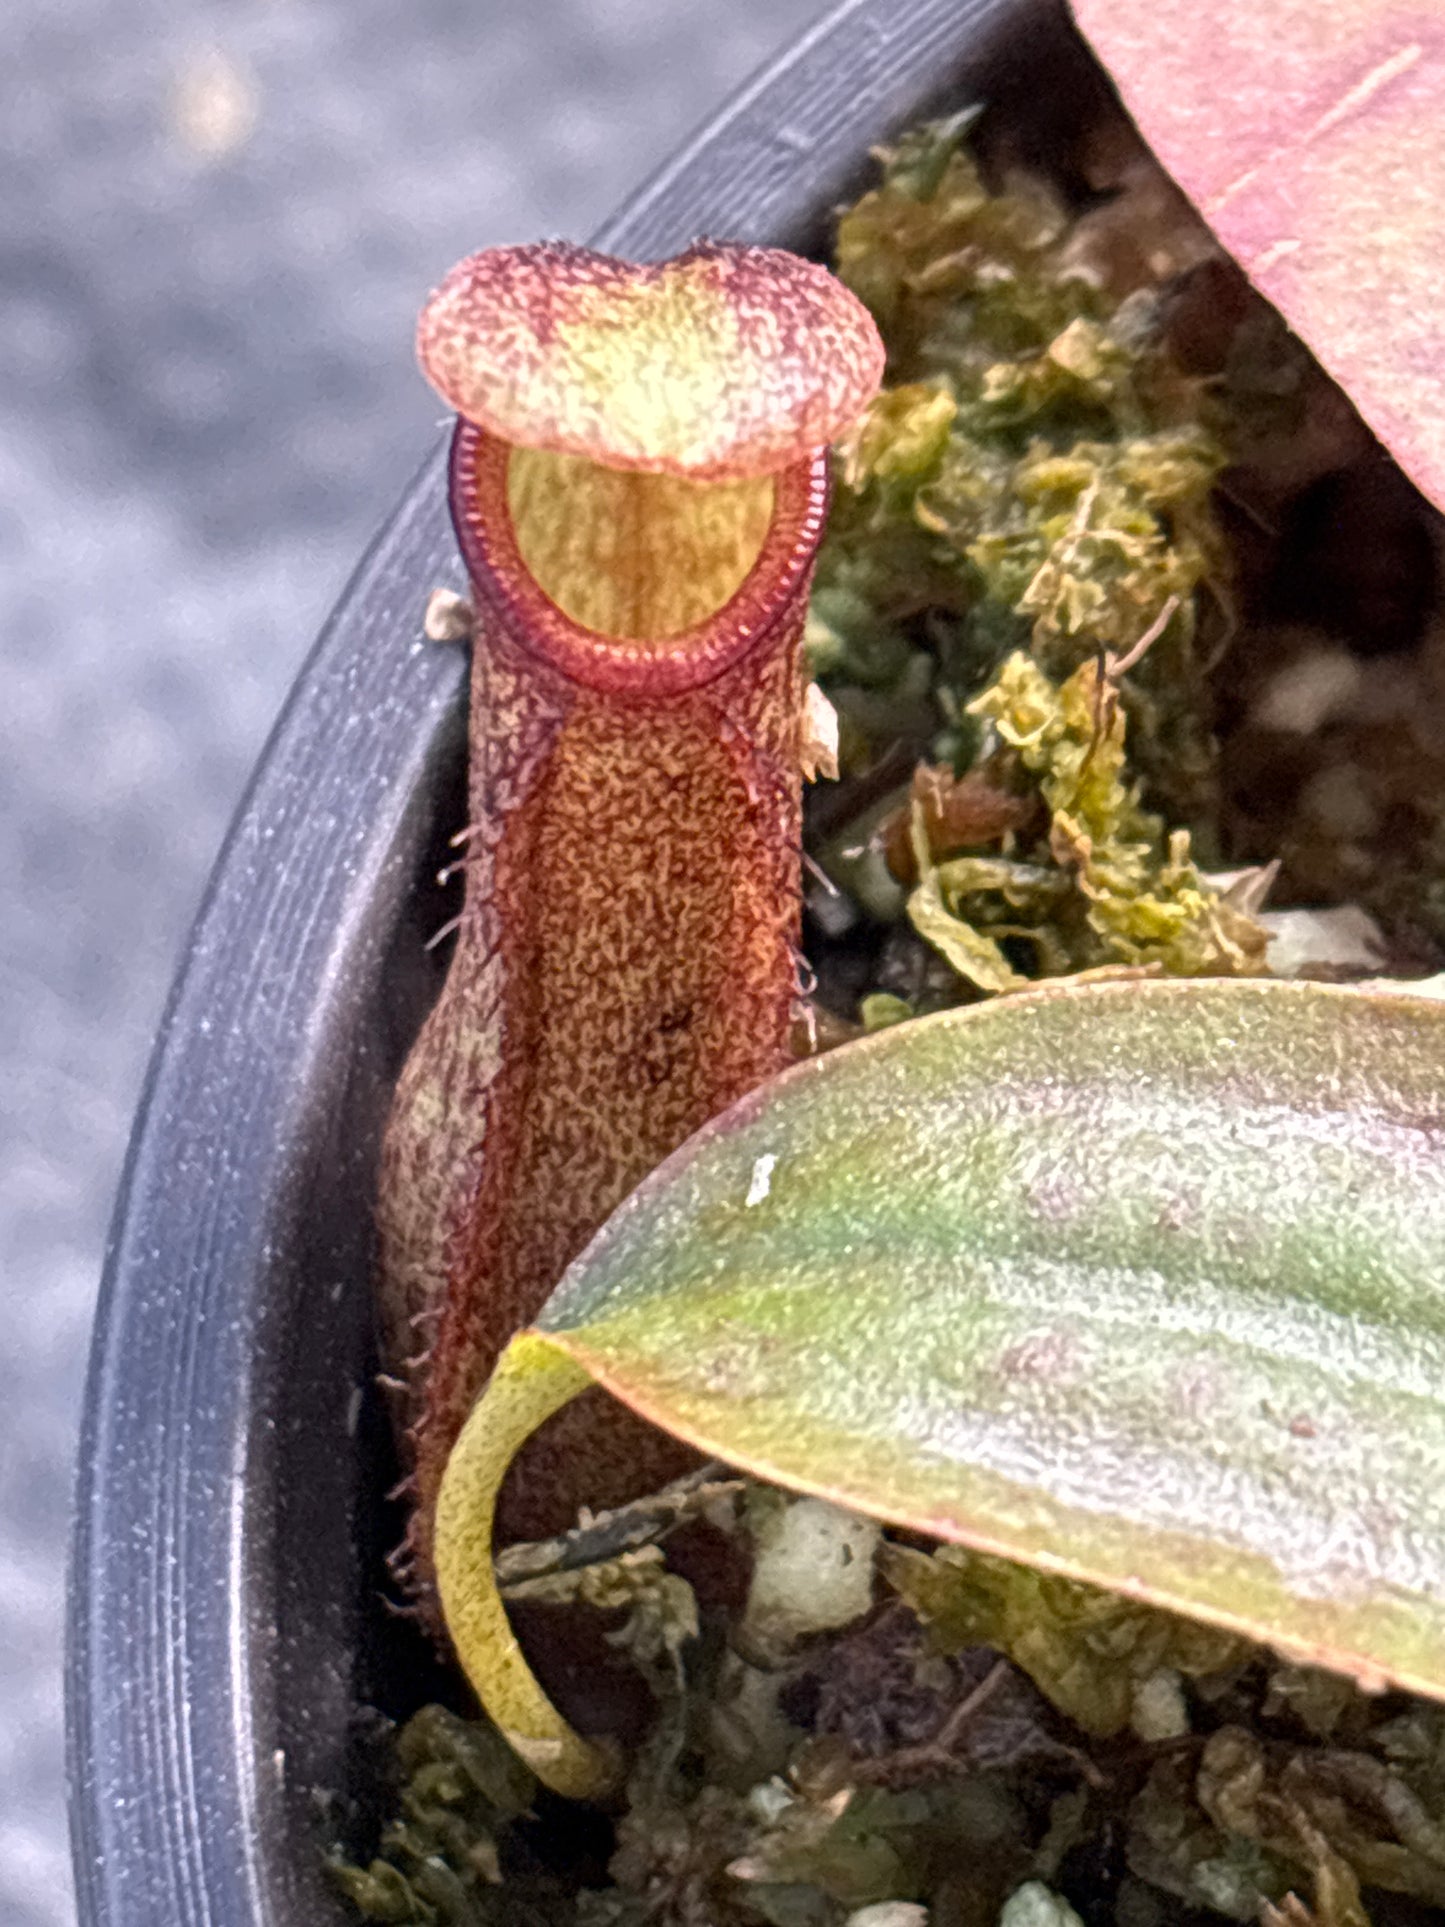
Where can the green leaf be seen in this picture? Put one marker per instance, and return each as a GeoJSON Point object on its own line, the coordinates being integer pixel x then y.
{"type": "Point", "coordinates": [1142, 1283]}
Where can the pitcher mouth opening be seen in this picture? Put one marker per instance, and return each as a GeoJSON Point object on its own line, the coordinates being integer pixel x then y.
{"type": "Point", "coordinates": [768, 529]}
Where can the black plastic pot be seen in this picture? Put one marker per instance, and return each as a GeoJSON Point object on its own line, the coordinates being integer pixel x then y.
{"type": "Point", "coordinates": [225, 1618]}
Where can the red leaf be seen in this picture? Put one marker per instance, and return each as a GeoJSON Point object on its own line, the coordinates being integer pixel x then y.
{"type": "Point", "coordinates": [1309, 134]}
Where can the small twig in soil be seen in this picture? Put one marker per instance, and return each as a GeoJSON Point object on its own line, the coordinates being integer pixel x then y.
{"type": "Point", "coordinates": [607, 1535]}
{"type": "Point", "coordinates": [938, 1751]}
{"type": "Point", "coordinates": [1117, 666]}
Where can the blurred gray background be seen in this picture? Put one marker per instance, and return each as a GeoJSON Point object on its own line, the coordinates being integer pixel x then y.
{"type": "Point", "coordinates": [216, 224]}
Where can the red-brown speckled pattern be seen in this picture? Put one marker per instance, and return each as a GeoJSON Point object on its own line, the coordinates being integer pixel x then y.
{"type": "Point", "coordinates": [626, 962]}
{"type": "Point", "coordinates": [723, 362]}
{"type": "Point", "coordinates": [625, 968]}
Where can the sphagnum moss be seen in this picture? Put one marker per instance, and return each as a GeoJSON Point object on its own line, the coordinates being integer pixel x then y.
{"type": "Point", "coordinates": [1023, 541]}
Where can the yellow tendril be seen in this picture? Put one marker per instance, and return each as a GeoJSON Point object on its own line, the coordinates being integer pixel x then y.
{"type": "Point", "coordinates": [533, 1379]}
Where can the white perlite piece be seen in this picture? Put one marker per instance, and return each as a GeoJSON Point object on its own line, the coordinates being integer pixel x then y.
{"type": "Point", "coordinates": [448, 618]}
{"type": "Point", "coordinates": [1159, 1711]}
{"type": "Point", "coordinates": [1308, 691]}
{"type": "Point", "coordinates": [1035, 1905]}
{"type": "Point", "coordinates": [889, 1913]}
{"type": "Point", "coordinates": [1343, 936]}
{"type": "Point", "coordinates": [813, 1571]}
{"type": "Point", "coordinates": [819, 749]}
